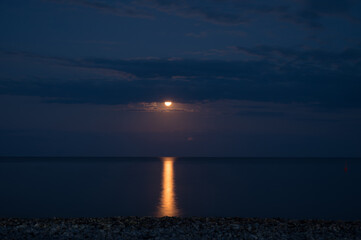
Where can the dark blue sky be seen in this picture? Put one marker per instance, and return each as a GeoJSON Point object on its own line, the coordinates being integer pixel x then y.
{"type": "Point", "coordinates": [247, 78]}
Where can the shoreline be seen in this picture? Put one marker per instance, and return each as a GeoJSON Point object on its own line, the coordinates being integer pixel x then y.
{"type": "Point", "coordinates": [177, 228]}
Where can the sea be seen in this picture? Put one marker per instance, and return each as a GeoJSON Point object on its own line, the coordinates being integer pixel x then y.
{"type": "Point", "coordinates": [292, 188]}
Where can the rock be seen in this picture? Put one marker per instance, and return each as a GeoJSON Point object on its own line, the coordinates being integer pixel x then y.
{"type": "Point", "coordinates": [235, 226]}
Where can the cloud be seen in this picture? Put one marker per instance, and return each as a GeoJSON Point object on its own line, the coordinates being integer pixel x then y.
{"type": "Point", "coordinates": [120, 8]}
{"type": "Point", "coordinates": [310, 12]}
{"type": "Point", "coordinates": [304, 55]}
{"type": "Point", "coordinates": [228, 12]}
{"type": "Point", "coordinates": [304, 12]}
{"type": "Point", "coordinates": [209, 11]}
{"type": "Point", "coordinates": [158, 107]}
{"type": "Point", "coordinates": [300, 57]}
{"type": "Point", "coordinates": [279, 75]}
{"type": "Point", "coordinates": [96, 71]}
{"type": "Point", "coordinates": [329, 6]}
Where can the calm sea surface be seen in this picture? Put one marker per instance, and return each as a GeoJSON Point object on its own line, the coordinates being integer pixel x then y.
{"type": "Point", "coordinates": [102, 187]}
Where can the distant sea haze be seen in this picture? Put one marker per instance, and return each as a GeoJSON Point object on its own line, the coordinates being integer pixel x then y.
{"type": "Point", "coordinates": [316, 188]}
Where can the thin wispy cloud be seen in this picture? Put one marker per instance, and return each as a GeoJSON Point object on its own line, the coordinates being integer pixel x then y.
{"type": "Point", "coordinates": [120, 8]}
{"type": "Point", "coordinates": [307, 13]}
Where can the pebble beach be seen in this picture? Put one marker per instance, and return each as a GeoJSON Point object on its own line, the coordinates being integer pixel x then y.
{"type": "Point", "coordinates": [177, 228]}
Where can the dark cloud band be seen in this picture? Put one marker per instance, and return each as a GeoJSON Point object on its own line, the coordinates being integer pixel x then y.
{"type": "Point", "coordinates": [278, 75]}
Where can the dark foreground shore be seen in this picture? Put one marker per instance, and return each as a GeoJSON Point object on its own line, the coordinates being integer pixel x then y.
{"type": "Point", "coordinates": [176, 228]}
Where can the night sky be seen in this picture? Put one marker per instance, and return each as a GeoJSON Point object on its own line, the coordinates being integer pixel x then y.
{"type": "Point", "coordinates": [246, 78]}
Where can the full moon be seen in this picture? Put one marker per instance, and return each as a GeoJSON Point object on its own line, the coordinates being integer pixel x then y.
{"type": "Point", "coordinates": [167, 104]}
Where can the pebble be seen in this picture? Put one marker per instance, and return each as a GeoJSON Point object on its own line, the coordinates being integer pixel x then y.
{"type": "Point", "coordinates": [176, 228]}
